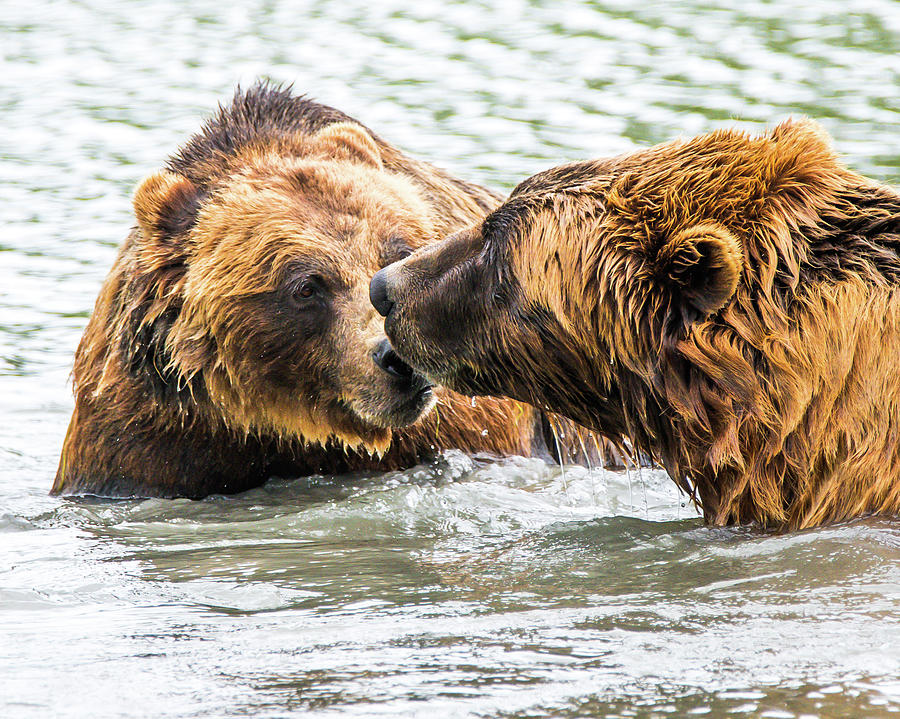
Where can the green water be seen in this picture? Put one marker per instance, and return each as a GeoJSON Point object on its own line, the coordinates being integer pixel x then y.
{"type": "Point", "coordinates": [460, 589]}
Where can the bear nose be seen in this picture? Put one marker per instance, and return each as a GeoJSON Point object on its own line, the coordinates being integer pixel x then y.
{"type": "Point", "coordinates": [385, 357]}
{"type": "Point", "coordinates": [378, 293]}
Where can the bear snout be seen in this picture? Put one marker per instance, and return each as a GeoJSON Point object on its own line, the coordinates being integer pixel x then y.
{"type": "Point", "coordinates": [385, 357]}
{"type": "Point", "coordinates": [378, 293]}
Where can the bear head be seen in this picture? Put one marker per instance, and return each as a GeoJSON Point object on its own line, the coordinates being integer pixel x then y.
{"type": "Point", "coordinates": [644, 295]}
{"type": "Point", "coordinates": [246, 293]}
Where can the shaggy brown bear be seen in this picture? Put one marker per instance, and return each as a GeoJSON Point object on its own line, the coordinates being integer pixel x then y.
{"type": "Point", "coordinates": [233, 339]}
{"type": "Point", "coordinates": [729, 303]}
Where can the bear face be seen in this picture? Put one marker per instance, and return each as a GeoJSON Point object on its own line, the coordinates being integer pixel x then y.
{"type": "Point", "coordinates": [274, 325]}
{"type": "Point", "coordinates": [712, 299]}
{"type": "Point", "coordinates": [495, 309]}
{"type": "Point", "coordinates": [233, 338]}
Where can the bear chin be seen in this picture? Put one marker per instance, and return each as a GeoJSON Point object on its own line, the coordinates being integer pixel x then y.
{"type": "Point", "coordinates": [372, 431]}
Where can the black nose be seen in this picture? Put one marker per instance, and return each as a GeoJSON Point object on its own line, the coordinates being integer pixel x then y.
{"type": "Point", "coordinates": [385, 357]}
{"type": "Point", "coordinates": [378, 294]}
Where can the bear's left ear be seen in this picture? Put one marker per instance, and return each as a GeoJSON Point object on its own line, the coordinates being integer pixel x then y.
{"type": "Point", "coordinates": [349, 141]}
{"type": "Point", "coordinates": [703, 263]}
{"type": "Point", "coordinates": [166, 205]}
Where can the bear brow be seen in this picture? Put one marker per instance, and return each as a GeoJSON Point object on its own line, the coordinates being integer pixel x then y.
{"type": "Point", "coordinates": [341, 227]}
{"type": "Point", "coordinates": [316, 264]}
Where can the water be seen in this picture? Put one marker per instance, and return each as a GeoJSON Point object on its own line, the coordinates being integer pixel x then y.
{"type": "Point", "coordinates": [463, 588]}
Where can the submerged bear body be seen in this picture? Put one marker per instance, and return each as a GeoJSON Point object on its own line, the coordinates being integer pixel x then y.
{"type": "Point", "coordinates": [731, 304]}
{"type": "Point", "coordinates": [233, 339]}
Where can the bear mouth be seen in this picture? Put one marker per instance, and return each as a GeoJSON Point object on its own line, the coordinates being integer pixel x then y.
{"type": "Point", "coordinates": [416, 405]}
{"type": "Point", "coordinates": [415, 396]}
{"type": "Point", "coordinates": [411, 391]}
{"type": "Point", "coordinates": [391, 363]}
{"type": "Point", "coordinates": [400, 398]}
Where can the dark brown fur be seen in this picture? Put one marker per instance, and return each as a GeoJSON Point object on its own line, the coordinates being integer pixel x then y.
{"type": "Point", "coordinates": [233, 339]}
{"type": "Point", "coordinates": [730, 304]}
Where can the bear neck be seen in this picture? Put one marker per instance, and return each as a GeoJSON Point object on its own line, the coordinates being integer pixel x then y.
{"type": "Point", "coordinates": [775, 405]}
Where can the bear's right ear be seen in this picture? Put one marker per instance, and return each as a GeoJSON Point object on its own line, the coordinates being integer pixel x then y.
{"type": "Point", "coordinates": [166, 205]}
{"type": "Point", "coordinates": [703, 264]}
{"type": "Point", "coordinates": [350, 141]}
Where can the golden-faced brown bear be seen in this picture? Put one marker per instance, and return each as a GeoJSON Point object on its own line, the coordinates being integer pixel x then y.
{"type": "Point", "coordinates": [731, 304]}
{"type": "Point", "coordinates": [233, 339]}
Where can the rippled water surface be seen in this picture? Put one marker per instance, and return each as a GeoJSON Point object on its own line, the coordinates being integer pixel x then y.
{"type": "Point", "coordinates": [463, 588]}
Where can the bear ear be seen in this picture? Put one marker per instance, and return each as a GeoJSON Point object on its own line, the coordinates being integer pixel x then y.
{"type": "Point", "coordinates": [703, 263]}
{"type": "Point", "coordinates": [166, 205]}
{"type": "Point", "coordinates": [349, 141]}
{"type": "Point", "coordinates": [804, 133]}
{"type": "Point", "coordinates": [800, 157]}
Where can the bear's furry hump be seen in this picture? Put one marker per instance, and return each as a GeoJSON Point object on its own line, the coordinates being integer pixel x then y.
{"type": "Point", "coordinates": [863, 244]}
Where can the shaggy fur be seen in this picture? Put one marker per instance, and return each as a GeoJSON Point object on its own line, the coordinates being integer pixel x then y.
{"type": "Point", "coordinates": [233, 338]}
{"type": "Point", "coordinates": [729, 303]}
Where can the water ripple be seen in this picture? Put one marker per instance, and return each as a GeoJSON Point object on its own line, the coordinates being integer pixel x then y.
{"type": "Point", "coordinates": [461, 588]}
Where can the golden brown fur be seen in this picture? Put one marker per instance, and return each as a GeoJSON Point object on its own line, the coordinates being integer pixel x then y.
{"type": "Point", "coordinates": [233, 338]}
{"type": "Point", "coordinates": [729, 303]}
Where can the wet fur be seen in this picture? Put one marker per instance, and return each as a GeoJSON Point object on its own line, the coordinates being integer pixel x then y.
{"type": "Point", "coordinates": [184, 380]}
{"type": "Point", "coordinates": [729, 303]}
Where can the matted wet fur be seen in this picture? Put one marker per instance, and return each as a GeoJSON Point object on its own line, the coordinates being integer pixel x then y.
{"type": "Point", "coordinates": [729, 303]}
{"type": "Point", "coordinates": [233, 339]}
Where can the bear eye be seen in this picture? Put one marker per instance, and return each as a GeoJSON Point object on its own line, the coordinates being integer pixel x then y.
{"type": "Point", "coordinates": [307, 289]}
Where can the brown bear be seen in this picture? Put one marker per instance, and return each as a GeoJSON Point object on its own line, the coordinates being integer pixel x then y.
{"type": "Point", "coordinates": [233, 339]}
{"type": "Point", "coordinates": [729, 303]}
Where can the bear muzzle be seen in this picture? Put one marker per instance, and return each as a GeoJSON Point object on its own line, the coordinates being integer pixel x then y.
{"type": "Point", "coordinates": [388, 360]}
{"type": "Point", "coordinates": [378, 292]}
